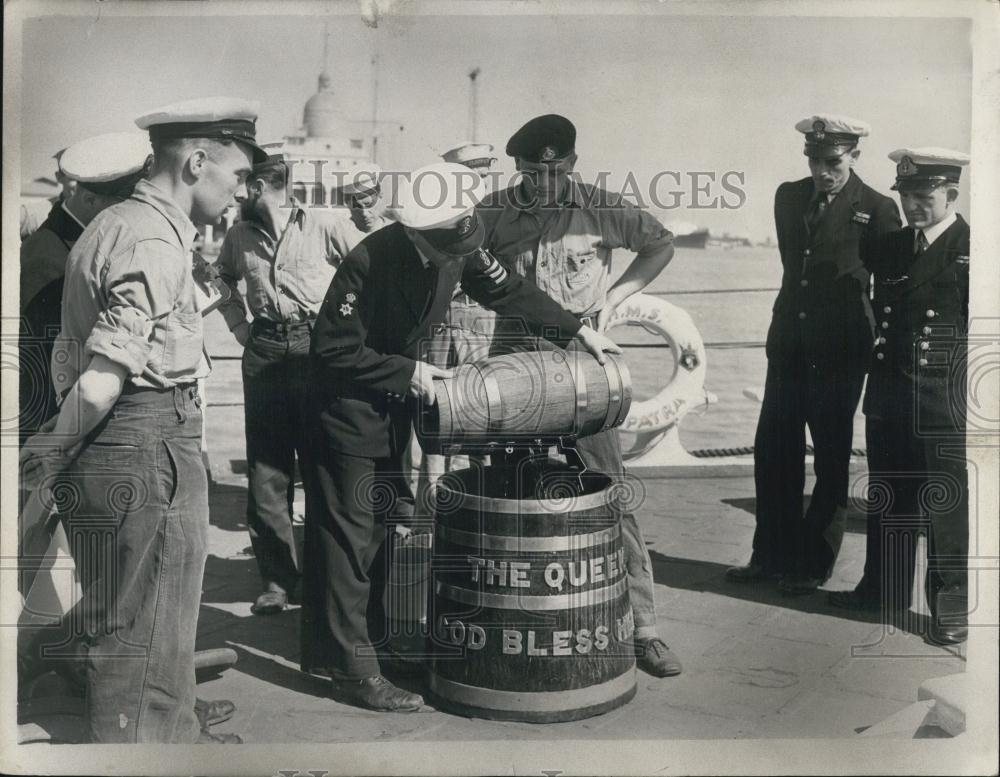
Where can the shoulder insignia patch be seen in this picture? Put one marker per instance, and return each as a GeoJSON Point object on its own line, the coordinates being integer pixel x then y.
{"type": "Point", "coordinates": [346, 309]}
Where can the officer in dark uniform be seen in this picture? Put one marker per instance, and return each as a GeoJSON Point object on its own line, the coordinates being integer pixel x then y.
{"type": "Point", "coordinates": [104, 169]}
{"type": "Point", "coordinates": [818, 347]}
{"type": "Point", "coordinates": [380, 309]}
{"type": "Point", "coordinates": [915, 401]}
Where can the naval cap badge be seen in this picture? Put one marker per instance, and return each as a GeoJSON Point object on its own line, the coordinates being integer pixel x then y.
{"type": "Point", "coordinates": [465, 226]}
{"type": "Point", "coordinates": [819, 129]}
{"type": "Point", "coordinates": [548, 154]}
{"type": "Point", "coordinates": [906, 166]}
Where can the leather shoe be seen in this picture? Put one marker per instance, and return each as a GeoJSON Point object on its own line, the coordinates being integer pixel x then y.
{"type": "Point", "coordinates": [211, 713]}
{"type": "Point", "coordinates": [853, 600]}
{"type": "Point", "coordinates": [799, 586]}
{"type": "Point", "coordinates": [375, 693]}
{"type": "Point", "coordinates": [295, 595]}
{"type": "Point", "coordinates": [655, 658]}
{"type": "Point", "coordinates": [751, 573]}
{"type": "Point", "coordinates": [204, 738]}
{"type": "Point", "coordinates": [952, 634]}
{"type": "Point", "coordinates": [272, 601]}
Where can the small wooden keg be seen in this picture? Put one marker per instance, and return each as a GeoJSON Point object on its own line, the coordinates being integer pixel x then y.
{"type": "Point", "coordinates": [530, 612]}
{"type": "Point", "coordinates": [525, 396]}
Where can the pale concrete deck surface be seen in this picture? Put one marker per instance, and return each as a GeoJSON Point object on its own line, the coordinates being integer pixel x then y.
{"type": "Point", "coordinates": [757, 664]}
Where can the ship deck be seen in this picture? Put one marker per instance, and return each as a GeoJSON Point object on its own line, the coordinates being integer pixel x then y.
{"type": "Point", "coordinates": [757, 664]}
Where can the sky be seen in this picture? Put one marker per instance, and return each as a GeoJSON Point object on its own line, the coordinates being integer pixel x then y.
{"type": "Point", "coordinates": [649, 93]}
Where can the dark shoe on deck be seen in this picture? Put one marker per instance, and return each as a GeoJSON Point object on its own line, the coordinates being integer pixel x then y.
{"type": "Point", "coordinates": [950, 634]}
{"type": "Point", "coordinates": [211, 713]}
{"type": "Point", "coordinates": [218, 739]}
{"type": "Point", "coordinates": [799, 586]}
{"type": "Point", "coordinates": [375, 693]}
{"type": "Point", "coordinates": [273, 600]}
{"type": "Point", "coordinates": [751, 573]}
{"type": "Point", "coordinates": [655, 658]}
{"type": "Point", "coordinates": [853, 600]}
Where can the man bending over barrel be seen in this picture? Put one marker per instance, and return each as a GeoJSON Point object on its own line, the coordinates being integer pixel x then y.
{"type": "Point", "coordinates": [366, 352]}
{"type": "Point", "coordinates": [559, 233]}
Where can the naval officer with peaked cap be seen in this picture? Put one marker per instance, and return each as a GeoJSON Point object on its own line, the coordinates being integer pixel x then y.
{"type": "Point", "coordinates": [105, 168]}
{"type": "Point", "coordinates": [384, 300]}
{"type": "Point", "coordinates": [475, 156]}
{"type": "Point", "coordinates": [464, 337]}
{"type": "Point", "coordinates": [127, 440]}
{"type": "Point", "coordinates": [818, 348]}
{"type": "Point", "coordinates": [915, 402]}
{"type": "Point", "coordinates": [362, 194]}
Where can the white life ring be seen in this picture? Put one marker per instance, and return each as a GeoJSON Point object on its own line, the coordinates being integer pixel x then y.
{"type": "Point", "coordinates": [685, 384]}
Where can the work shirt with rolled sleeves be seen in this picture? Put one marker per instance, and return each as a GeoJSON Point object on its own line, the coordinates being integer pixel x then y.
{"type": "Point", "coordinates": [566, 250]}
{"type": "Point", "coordinates": [921, 304]}
{"type": "Point", "coordinates": [286, 278]}
{"type": "Point", "coordinates": [129, 295]}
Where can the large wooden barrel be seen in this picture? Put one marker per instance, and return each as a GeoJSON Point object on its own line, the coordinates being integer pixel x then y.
{"type": "Point", "coordinates": [530, 613]}
{"type": "Point", "coordinates": [525, 396]}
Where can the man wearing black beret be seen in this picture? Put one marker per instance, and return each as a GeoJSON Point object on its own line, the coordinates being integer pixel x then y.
{"type": "Point", "coordinates": [559, 233]}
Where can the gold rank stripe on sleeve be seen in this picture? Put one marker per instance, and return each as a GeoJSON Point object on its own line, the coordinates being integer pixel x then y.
{"type": "Point", "coordinates": [494, 269]}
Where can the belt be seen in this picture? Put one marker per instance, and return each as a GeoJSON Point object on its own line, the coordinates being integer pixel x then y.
{"type": "Point", "coordinates": [589, 319]}
{"type": "Point", "coordinates": [132, 388]}
{"type": "Point", "coordinates": [259, 325]}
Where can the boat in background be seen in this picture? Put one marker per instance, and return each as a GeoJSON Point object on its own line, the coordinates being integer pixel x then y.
{"type": "Point", "coordinates": [688, 235]}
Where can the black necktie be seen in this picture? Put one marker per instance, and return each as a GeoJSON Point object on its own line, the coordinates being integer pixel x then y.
{"type": "Point", "coordinates": [922, 243]}
{"type": "Point", "coordinates": [816, 211]}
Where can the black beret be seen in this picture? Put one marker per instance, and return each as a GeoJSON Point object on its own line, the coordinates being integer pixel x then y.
{"type": "Point", "coordinates": [543, 139]}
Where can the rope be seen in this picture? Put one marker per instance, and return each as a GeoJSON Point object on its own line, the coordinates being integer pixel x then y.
{"type": "Point", "coordinates": [722, 345]}
{"type": "Point", "coordinates": [704, 291]}
{"type": "Point", "coordinates": [710, 453]}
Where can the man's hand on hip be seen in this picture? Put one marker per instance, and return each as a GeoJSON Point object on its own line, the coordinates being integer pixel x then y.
{"type": "Point", "coordinates": [242, 333]}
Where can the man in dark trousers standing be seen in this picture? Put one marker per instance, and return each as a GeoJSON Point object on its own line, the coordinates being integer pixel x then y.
{"type": "Point", "coordinates": [287, 255]}
{"type": "Point", "coordinates": [818, 348]}
{"type": "Point", "coordinates": [127, 439]}
{"type": "Point", "coordinates": [366, 349]}
{"type": "Point", "coordinates": [915, 402]}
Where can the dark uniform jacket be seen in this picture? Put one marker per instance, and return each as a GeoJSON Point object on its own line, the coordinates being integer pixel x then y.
{"type": "Point", "coordinates": [43, 267]}
{"type": "Point", "coordinates": [44, 254]}
{"type": "Point", "coordinates": [377, 317]}
{"type": "Point", "coordinates": [822, 311]}
{"type": "Point", "coordinates": [922, 308]}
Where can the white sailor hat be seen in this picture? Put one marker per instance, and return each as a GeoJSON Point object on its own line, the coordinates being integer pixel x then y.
{"type": "Point", "coordinates": [440, 200]}
{"type": "Point", "coordinates": [107, 164]}
{"type": "Point", "coordinates": [362, 180]}
{"type": "Point", "coordinates": [829, 134]}
{"type": "Point", "coordinates": [470, 154]}
{"type": "Point", "coordinates": [219, 118]}
{"type": "Point", "coordinates": [918, 168]}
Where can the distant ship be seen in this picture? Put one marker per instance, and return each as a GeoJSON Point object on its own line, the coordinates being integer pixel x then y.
{"type": "Point", "coordinates": [687, 235]}
{"type": "Point", "coordinates": [696, 239]}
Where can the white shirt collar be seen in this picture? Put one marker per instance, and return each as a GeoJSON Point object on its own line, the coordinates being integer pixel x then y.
{"type": "Point", "coordinates": [71, 215]}
{"type": "Point", "coordinates": [933, 233]}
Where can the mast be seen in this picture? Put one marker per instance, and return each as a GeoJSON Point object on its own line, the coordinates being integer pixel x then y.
{"type": "Point", "coordinates": [375, 107]}
{"type": "Point", "coordinates": [474, 105]}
